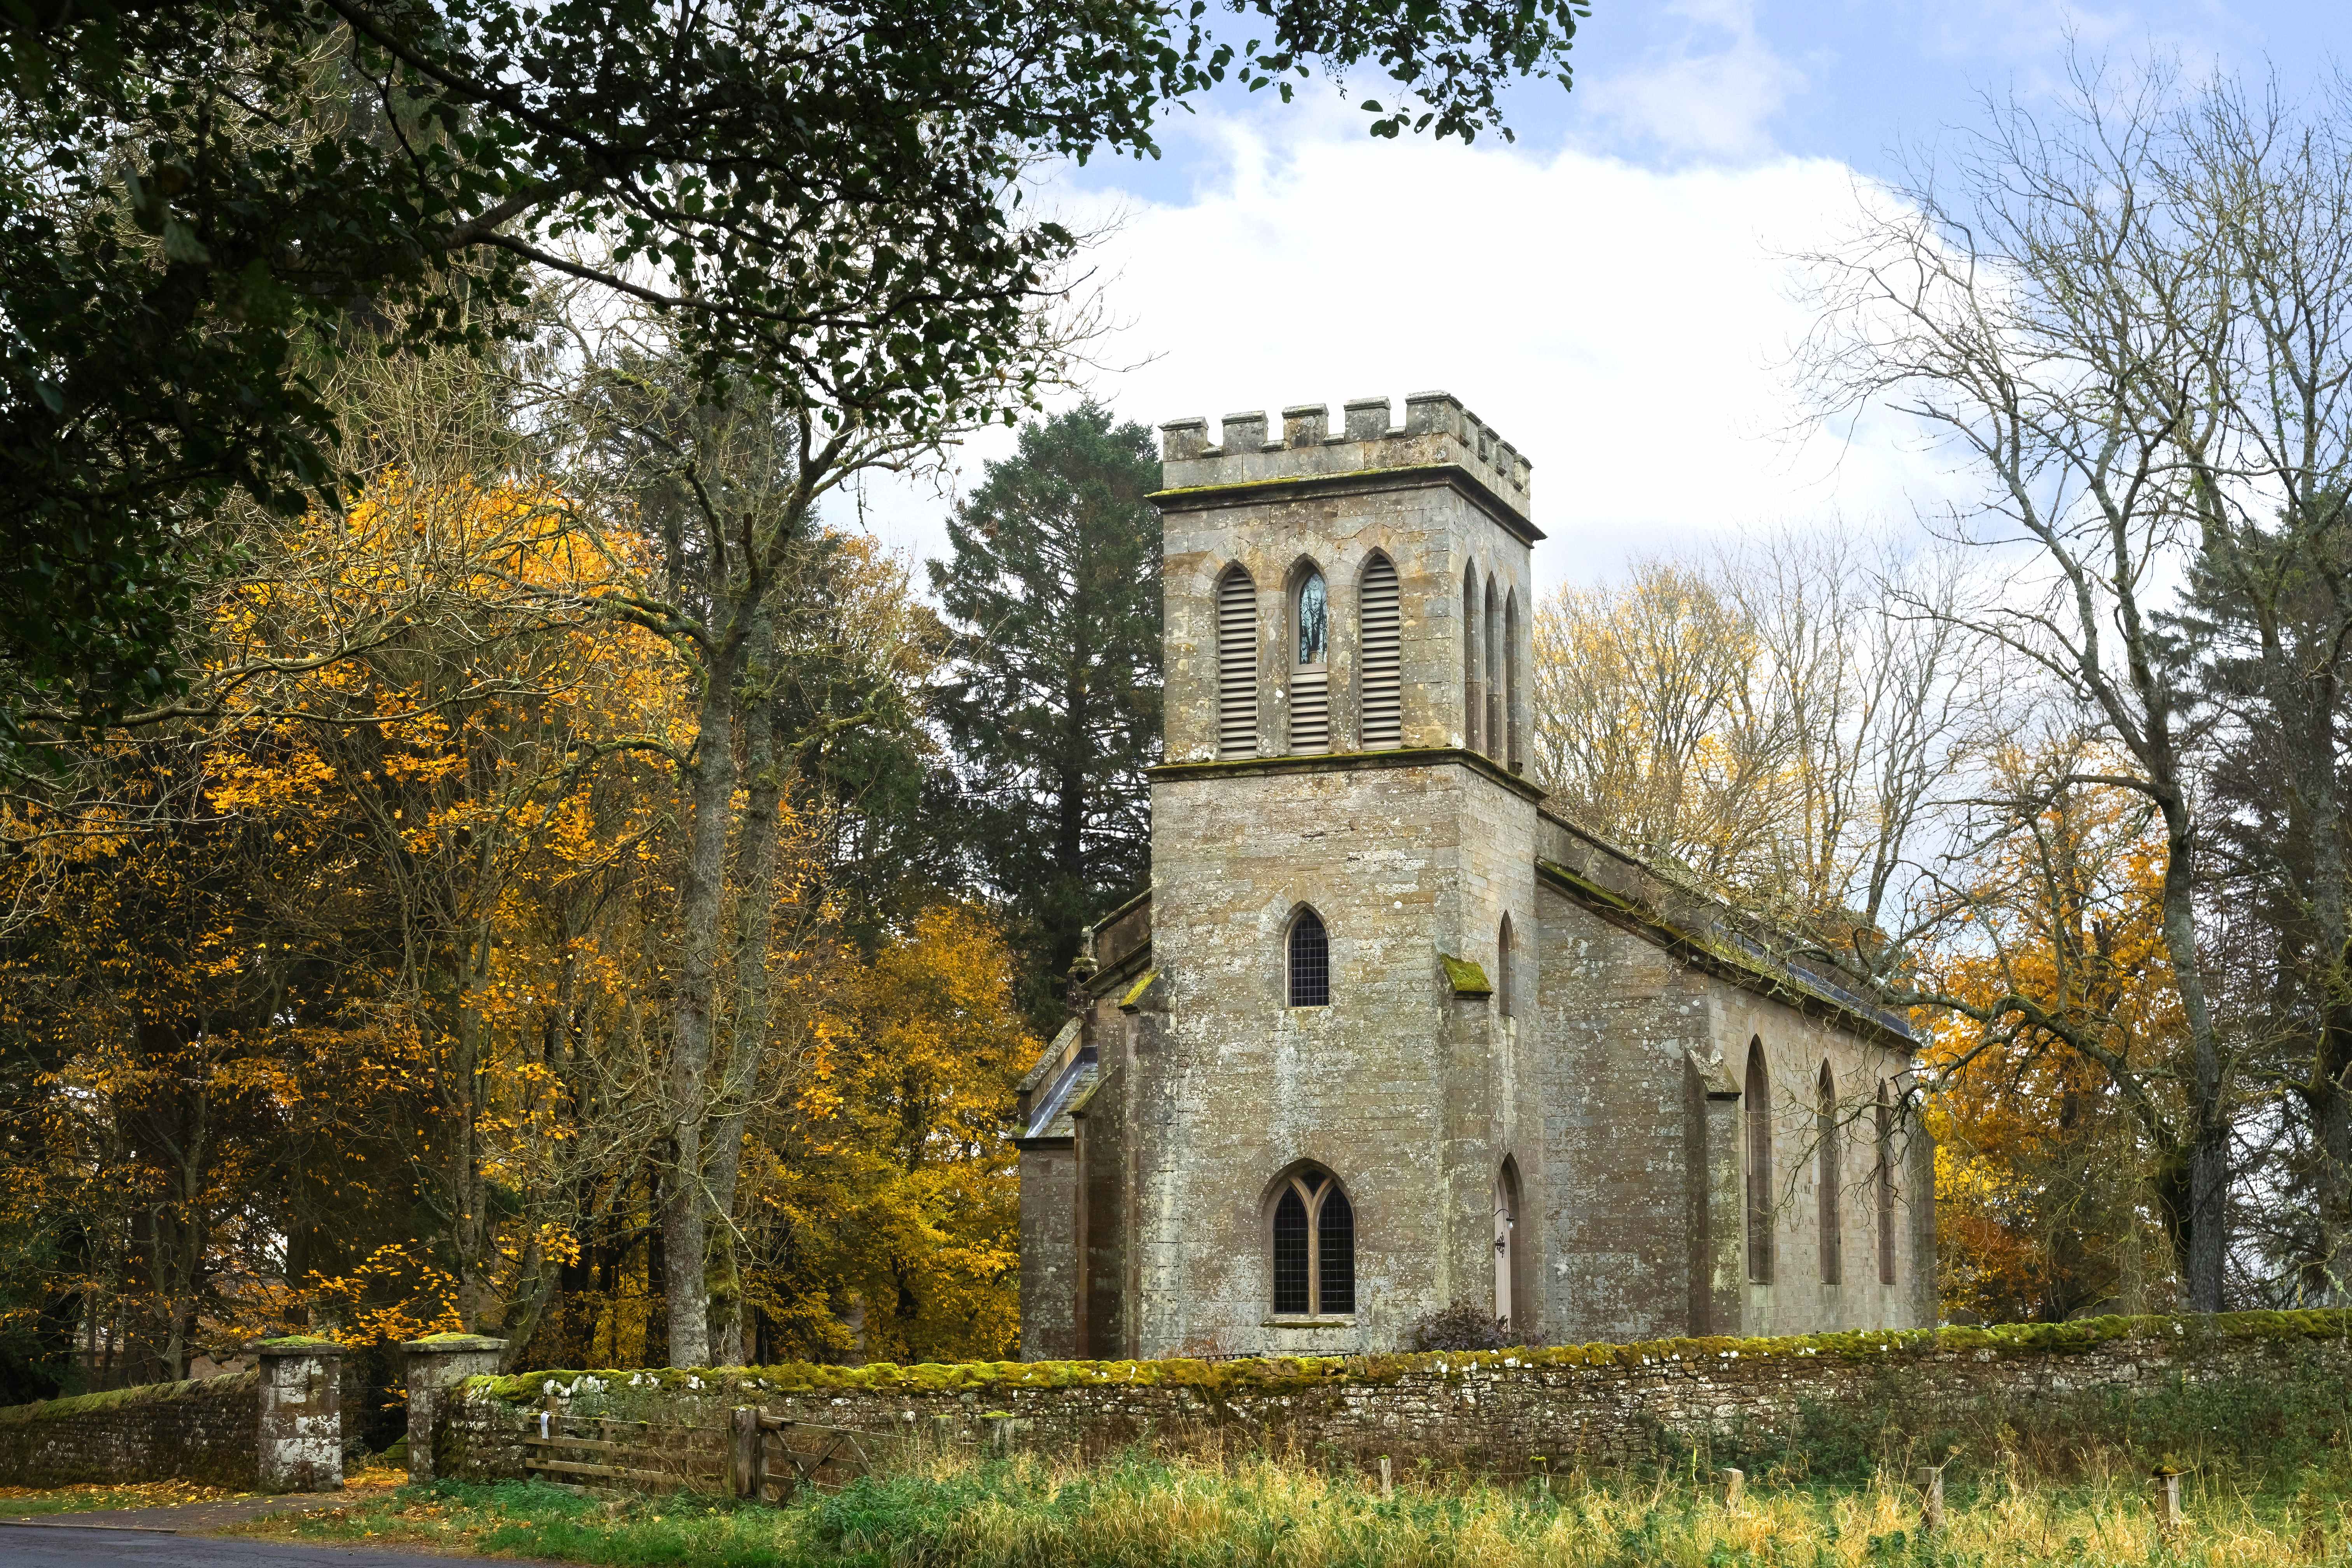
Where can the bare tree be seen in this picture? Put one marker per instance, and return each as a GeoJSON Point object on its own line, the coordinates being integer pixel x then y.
{"type": "Point", "coordinates": [2039, 310]}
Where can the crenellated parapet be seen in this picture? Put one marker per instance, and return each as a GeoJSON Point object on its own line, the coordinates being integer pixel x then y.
{"type": "Point", "coordinates": [1437, 432]}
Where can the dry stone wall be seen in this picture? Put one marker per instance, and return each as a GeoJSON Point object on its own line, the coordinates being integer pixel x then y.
{"type": "Point", "coordinates": [1593, 1404]}
{"type": "Point", "coordinates": [201, 1430]}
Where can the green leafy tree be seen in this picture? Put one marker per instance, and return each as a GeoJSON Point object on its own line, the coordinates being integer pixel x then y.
{"type": "Point", "coordinates": [1054, 592]}
{"type": "Point", "coordinates": [198, 198]}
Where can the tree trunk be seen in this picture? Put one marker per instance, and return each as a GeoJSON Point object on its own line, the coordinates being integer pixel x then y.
{"type": "Point", "coordinates": [2206, 1255]}
{"type": "Point", "coordinates": [684, 1217]}
{"type": "Point", "coordinates": [755, 879]}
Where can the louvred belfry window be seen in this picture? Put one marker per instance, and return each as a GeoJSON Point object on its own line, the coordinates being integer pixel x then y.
{"type": "Point", "coordinates": [1382, 656]}
{"type": "Point", "coordinates": [1236, 665]}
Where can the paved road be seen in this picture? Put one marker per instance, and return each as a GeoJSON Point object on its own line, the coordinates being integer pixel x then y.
{"type": "Point", "coordinates": [55, 1546]}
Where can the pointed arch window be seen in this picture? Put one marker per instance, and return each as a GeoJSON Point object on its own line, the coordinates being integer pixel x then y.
{"type": "Point", "coordinates": [1474, 691]}
{"type": "Point", "coordinates": [1504, 969]}
{"type": "Point", "coordinates": [1494, 646]}
{"type": "Point", "coordinates": [1826, 1132]}
{"type": "Point", "coordinates": [1756, 1102]}
{"type": "Point", "coordinates": [1309, 964]}
{"type": "Point", "coordinates": [1510, 755]}
{"type": "Point", "coordinates": [1380, 655]}
{"type": "Point", "coordinates": [1237, 664]}
{"type": "Point", "coordinates": [1883, 1181]}
{"type": "Point", "coordinates": [1313, 1247]}
{"type": "Point", "coordinates": [1310, 672]}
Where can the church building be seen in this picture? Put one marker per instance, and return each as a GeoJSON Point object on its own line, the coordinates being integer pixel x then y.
{"type": "Point", "coordinates": [1385, 1035]}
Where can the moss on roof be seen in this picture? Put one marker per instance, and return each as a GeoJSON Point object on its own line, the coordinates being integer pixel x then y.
{"type": "Point", "coordinates": [1467, 977]}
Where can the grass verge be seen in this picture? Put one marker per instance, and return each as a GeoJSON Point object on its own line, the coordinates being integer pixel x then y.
{"type": "Point", "coordinates": [32, 1502]}
{"type": "Point", "coordinates": [1139, 1511]}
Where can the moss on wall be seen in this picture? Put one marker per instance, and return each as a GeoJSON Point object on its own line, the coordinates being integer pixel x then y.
{"type": "Point", "coordinates": [1277, 1374]}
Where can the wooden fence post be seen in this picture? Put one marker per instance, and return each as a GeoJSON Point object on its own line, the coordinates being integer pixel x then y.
{"type": "Point", "coordinates": [2168, 1499]}
{"type": "Point", "coordinates": [1388, 1487]}
{"type": "Point", "coordinates": [1732, 1482]}
{"type": "Point", "coordinates": [743, 1452]}
{"type": "Point", "coordinates": [1931, 1498]}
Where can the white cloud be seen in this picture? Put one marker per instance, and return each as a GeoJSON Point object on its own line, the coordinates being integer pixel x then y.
{"type": "Point", "coordinates": [1711, 93]}
{"type": "Point", "coordinates": [1624, 328]}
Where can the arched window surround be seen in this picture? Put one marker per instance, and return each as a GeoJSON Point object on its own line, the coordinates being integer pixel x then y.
{"type": "Point", "coordinates": [1306, 960]}
{"type": "Point", "coordinates": [1311, 1244]}
{"type": "Point", "coordinates": [1756, 1107]}
{"type": "Point", "coordinates": [1306, 620]}
{"type": "Point", "coordinates": [1234, 611]}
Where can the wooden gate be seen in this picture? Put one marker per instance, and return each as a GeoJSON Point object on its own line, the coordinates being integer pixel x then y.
{"type": "Point", "coordinates": [774, 1459]}
{"type": "Point", "coordinates": [634, 1453]}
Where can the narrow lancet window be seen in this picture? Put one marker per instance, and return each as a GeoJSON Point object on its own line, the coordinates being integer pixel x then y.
{"type": "Point", "coordinates": [1310, 961]}
{"type": "Point", "coordinates": [1310, 674]}
{"type": "Point", "coordinates": [1826, 1131]}
{"type": "Point", "coordinates": [1757, 1099]}
{"type": "Point", "coordinates": [1883, 1183]}
{"type": "Point", "coordinates": [1474, 693]}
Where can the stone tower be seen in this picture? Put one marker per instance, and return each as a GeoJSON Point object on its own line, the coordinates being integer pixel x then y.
{"type": "Point", "coordinates": [1385, 1036]}
{"type": "Point", "coordinates": [1409, 844]}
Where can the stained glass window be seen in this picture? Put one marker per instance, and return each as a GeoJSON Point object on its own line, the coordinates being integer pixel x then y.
{"type": "Point", "coordinates": [1314, 620]}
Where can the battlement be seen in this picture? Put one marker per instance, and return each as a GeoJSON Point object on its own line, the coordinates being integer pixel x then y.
{"type": "Point", "coordinates": [1437, 431]}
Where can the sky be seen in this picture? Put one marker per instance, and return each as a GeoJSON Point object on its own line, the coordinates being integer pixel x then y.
{"type": "Point", "coordinates": [1615, 291]}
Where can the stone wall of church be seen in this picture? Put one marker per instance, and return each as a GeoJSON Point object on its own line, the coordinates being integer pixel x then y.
{"type": "Point", "coordinates": [1799, 1299]}
{"type": "Point", "coordinates": [1614, 1243]}
{"type": "Point", "coordinates": [1381, 1087]}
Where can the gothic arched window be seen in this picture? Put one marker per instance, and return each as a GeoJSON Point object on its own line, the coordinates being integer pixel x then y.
{"type": "Point", "coordinates": [1474, 698]}
{"type": "Point", "coordinates": [1505, 968]}
{"type": "Point", "coordinates": [1509, 753]}
{"type": "Point", "coordinates": [1379, 656]}
{"type": "Point", "coordinates": [1494, 644]}
{"type": "Point", "coordinates": [1826, 1133]}
{"type": "Point", "coordinates": [1757, 1099]}
{"type": "Point", "coordinates": [1883, 1183]}
{"type": "Point", "coordinates": [1313, 1247]}
{"type": "Point", "coordinates": [1237, 664]}
{"type": "Point", "coordinates": [1309, 964]}
{"type": "Point", "coordinates": [1310, 664]}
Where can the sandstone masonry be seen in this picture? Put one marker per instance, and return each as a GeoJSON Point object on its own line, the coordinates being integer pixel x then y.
{"type": "Point", "coordinates": [1534, 1080]}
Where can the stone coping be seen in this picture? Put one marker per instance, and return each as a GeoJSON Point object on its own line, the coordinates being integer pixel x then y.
{"type": "Point", "coordinates": [1286, 1374]}
{"type": "Point", "coordinates": [107, 1399]}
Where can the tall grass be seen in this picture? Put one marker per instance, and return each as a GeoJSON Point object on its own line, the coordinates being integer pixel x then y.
{"type": "Point", "coordinates": [1285, 1512]}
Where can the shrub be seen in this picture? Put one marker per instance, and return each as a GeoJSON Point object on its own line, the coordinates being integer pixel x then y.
{"type": "Point", "coordinates": [1462, 1326]}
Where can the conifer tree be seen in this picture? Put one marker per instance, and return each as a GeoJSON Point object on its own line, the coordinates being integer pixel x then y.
{"type": "Point", "coordinates": [1054, 593]}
